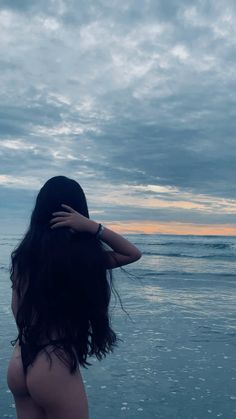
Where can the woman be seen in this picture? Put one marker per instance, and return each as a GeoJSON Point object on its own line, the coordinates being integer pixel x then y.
{"type": "Point", "coordinates": [60, 299]}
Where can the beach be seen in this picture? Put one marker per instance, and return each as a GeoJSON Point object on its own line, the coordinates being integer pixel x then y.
{"type": "Point", "coordinates": [177, 357]}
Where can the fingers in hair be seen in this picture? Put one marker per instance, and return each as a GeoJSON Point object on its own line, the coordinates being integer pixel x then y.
{"type": "Point", "coordinates": [69, 208]}
{"type": "Point", "coordinates": [60, 224]}
{"type": "Point", "coordinates": [62, 213]}
{"type": "Point", "coordinates": [58, 219]}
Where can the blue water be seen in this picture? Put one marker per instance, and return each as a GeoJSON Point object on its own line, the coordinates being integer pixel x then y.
{"type": "Point", "coordinates": [177, 358]}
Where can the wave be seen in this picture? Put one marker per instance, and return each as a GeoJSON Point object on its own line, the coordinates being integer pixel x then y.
{"type": "Point", "coordinates": [194, 244]}
{"type": "Point", "coordinates": [4, 268]}
{"type": "Point", "coordinates": [201, 275]}
{"type": "Point", "coordinates": [184, 255]}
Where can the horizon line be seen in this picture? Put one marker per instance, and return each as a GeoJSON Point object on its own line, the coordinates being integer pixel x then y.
{"type": "Point", "coordinates": [172, 228]}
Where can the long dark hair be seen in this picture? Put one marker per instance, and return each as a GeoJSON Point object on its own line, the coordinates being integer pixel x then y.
{"type": "Point", "coordinates": [62, 283]}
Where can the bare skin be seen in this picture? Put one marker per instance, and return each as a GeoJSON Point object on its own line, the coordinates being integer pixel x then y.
{"type": "Point", "coordinates": [46, 393]}
{"type": "Point", "coordinates": [26, 407]}
{"type": "Point", "coordinates": [54, 393]}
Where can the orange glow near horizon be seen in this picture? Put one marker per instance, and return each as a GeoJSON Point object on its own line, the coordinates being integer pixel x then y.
{"type": "Point", "coordinates": [149, 227]}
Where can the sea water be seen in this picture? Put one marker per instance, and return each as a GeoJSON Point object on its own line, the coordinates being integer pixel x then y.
{"type": "Point", "coordinates": [177, 356]}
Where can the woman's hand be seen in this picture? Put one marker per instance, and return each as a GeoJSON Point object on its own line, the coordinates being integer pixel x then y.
{"type": "Point", "coordinates": [74, 220]}
{"type": "Point", "coordinates": [124, 252]}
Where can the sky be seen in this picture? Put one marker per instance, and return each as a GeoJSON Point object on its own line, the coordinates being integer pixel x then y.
{"type": "Point", "coordinates": [135, 100]}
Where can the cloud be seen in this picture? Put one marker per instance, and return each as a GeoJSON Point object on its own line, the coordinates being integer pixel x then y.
{"type": "Point", "coordinates": [137, 93]}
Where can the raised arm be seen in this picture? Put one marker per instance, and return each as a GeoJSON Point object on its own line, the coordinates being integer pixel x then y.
{"type": "Point", "coordinates": [124, 252]}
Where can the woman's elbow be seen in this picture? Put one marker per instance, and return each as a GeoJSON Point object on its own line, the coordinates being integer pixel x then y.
{"type": "Point", "coordinates": [137, 255]}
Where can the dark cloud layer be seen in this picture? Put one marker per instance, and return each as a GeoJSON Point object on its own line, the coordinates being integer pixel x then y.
{"type": "Point", "coordinates": [113, 93]}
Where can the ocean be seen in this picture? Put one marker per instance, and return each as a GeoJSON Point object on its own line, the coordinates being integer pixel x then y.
{"type": "Point", "coordinates": [177, 356]}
